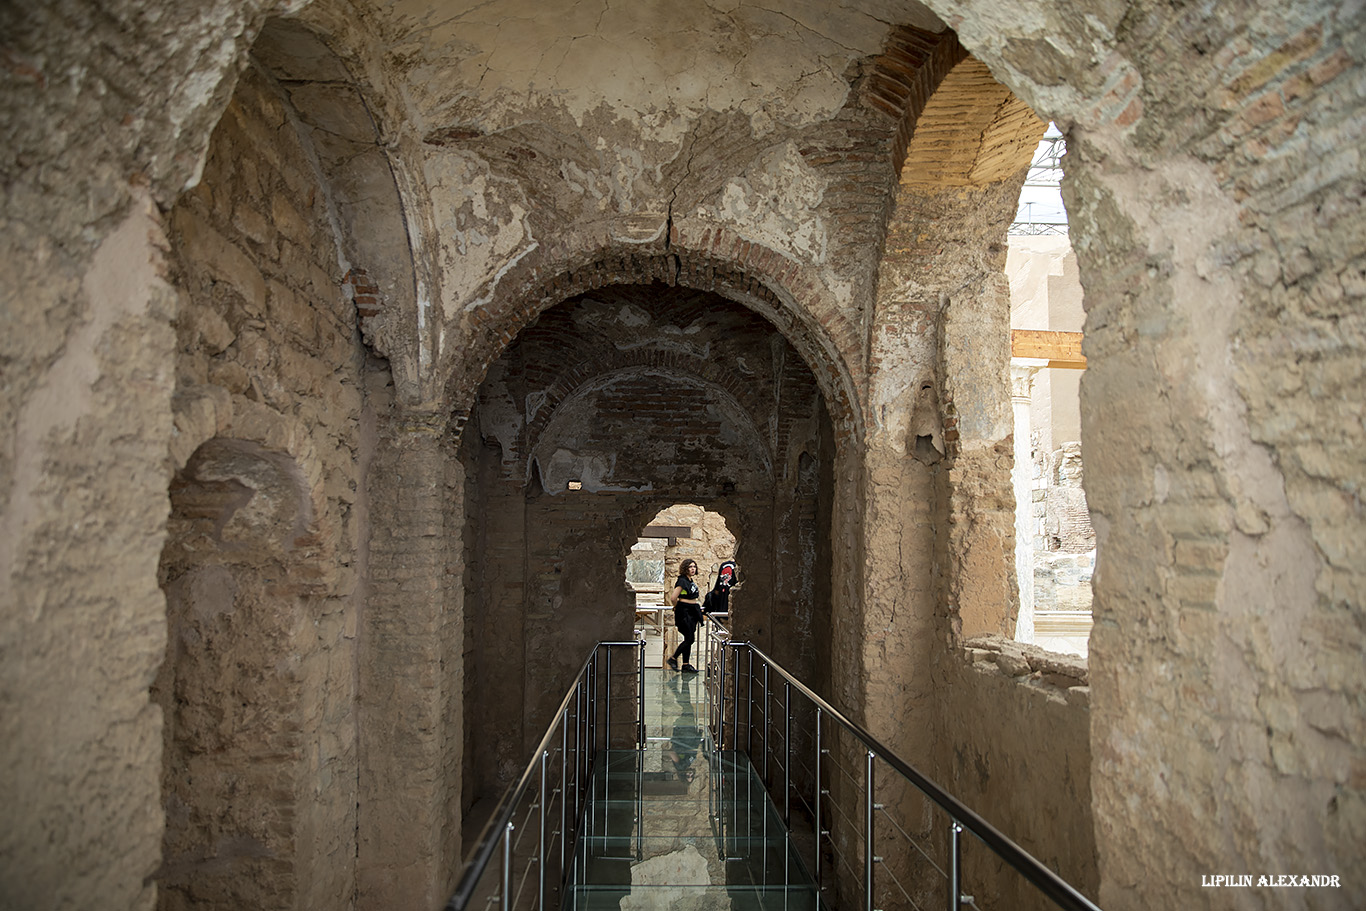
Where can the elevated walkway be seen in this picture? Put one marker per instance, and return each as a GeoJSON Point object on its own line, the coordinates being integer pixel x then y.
{"type": "Point", "coordinates": [739, 788]}
{"type": "Point", "coordinates": [682, 824]}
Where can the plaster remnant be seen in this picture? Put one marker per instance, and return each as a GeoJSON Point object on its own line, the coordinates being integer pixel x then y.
{"type": "Point", "coordinates": [778, 199]}
{"type": "Point", "coordinates": [484, 230]}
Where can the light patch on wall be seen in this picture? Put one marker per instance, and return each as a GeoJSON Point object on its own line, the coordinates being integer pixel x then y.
{"type": "Point", "coordinates": [776, 202]}
{"type": "Point", "coordinates": [484, 229]}
{"type": "Point", "coordinates": [574, 485]}
{"type": "Point", "coordinates": [650, 64]}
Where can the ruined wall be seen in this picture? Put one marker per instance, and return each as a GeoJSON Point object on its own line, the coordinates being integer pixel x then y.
{"type": "Point", "coordinates": [259, 687]}
{"type": "Point", "coordinates": [92, 147]}
{"type": "Point", "coordinates": [1213, 184]}
{"type": "Point", "coordinates": [1024, 734]}
{"type": "Point", "coordinates": [940, 533]}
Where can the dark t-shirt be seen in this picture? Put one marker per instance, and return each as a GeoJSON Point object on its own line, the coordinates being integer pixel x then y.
{"type": "Point", "coordinates": [688, 613]}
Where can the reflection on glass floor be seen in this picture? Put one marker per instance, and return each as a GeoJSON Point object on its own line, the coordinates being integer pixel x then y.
{"type": "Point", "coordinates": [681, 826]}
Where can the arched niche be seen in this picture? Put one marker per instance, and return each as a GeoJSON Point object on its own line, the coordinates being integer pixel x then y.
{"type": "Point", "coordinates": [237, 572]}
{"type": "Point", "coordinates": [376, 204]}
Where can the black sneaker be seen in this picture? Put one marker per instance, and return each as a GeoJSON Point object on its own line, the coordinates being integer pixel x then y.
{"type": "Point", "coordinates": [689, 669]}
{"type": "Point", "coordinates": [673, 663]}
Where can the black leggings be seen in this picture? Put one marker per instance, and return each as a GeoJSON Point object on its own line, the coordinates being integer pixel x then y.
{"type": "Point", "coordinates": [687, 626]}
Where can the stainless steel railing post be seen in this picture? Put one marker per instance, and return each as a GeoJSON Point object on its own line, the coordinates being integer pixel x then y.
{"type": "Point", "coordinates": [787, 754]}
{"type": "Point", "coordinates": [540, 856]}
{"type": "Point", "coordinates": [564, 769]}
{"type": "Point", "coordinates": [721, 703]}
{"type": "Point", "coordinates": [768, 727]}
{"type": "Point", "coordinates": [749, 705]}
{"type": "Point", "coordinates": [507, 867]}
{"type": "Point", "coordinates": [818, 799]}
{"type": "Point", "coordinates": [735, 707]}
{"type": "Point", "coordinates": [607, 735]}
{"type": "Point", "coordinates": [640, 702]}
{"type": "Point", "coordinates": [955, 865]}
{"type": "Point", "coordinates": [578, 745]}
{"type": "Point", "coordinates": [868, 832]}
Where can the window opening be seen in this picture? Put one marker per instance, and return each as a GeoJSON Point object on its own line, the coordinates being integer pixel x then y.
{"type": "Point", "coordinates": [1054, 542]}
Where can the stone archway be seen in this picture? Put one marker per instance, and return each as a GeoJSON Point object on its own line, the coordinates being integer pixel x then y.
{"type": "Point", "coordinates": [610, 406]}
{"type": "Point", "coordinates": [704, 258]}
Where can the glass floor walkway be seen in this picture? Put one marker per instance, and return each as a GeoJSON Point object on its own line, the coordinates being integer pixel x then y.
{"type": "Point", "coordinates": [682, 826]}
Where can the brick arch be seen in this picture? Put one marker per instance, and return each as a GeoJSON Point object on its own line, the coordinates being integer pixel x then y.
{"type": "Point", "coordinates": [704, 257]}
{"type": "Point", "coordinates": [956, 124]}
{"type": "Point", "coordinates": [972, 131]}
{"type": "Point", "coordinates": [905, 76]}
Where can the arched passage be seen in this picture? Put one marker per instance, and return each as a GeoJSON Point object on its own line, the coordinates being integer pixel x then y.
{"type": "Point", "coordinates": [783, 291]}
{"type": "Point", "coordinates": [609, 407]}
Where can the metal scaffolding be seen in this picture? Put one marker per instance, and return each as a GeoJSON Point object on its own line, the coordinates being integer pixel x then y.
{"type": "Point", "coordinates": [1041, 209]}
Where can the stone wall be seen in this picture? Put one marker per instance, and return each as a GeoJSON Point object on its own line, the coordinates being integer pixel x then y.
{"type": "Point", "coordinates": [1019, 731]}
{"type": "Point", "coordinates": [260, 567]}
{"type": "Point", "coordinates": [86, 416]}
{"type": "Point", "coordinates": [1213, 187]}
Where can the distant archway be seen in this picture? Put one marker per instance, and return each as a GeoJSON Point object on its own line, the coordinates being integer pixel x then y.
{"type": "Point", "coordinates": [677, 533]}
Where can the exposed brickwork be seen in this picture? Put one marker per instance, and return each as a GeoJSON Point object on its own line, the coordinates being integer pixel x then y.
{"type": "Point", "coordinates": [972, 132]}
{"type": "Point", "coordinates": [649, 395]}
{"type": "Point", "coordinates": [406, 837]}
{"type": "Point", "coordinates": [366, 294]}
{"type": "Point", "coordinates": [905, 77]}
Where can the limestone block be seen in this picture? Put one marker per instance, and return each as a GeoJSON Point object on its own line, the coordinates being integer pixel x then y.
{"type": "Point", "coordinates": [1014, 665]}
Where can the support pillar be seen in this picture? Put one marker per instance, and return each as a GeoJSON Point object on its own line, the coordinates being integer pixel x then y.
{"type": "Point", "coordinates": [410, 632]}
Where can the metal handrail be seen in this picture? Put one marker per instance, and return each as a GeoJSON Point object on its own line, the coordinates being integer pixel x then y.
{"type": "Point", "coordinates": [1041, 877]}
{"type": "Point", "coordinates": [499, 827]}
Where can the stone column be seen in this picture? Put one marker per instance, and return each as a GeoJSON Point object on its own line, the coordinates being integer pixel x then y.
{"type": "Point", "coordinates": [405, 748]}
{"type": "Point", "coordinates": [1021, 384]}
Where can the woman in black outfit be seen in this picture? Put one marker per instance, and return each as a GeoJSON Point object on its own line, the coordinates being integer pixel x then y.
{"type": "Point", "coordinates": [686, 598]}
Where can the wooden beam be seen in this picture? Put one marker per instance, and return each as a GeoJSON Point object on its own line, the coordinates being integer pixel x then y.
{"type": "Point", "coordinates": [1060, 349]}
{"type": "Point", "coordinates": [667, 531]}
